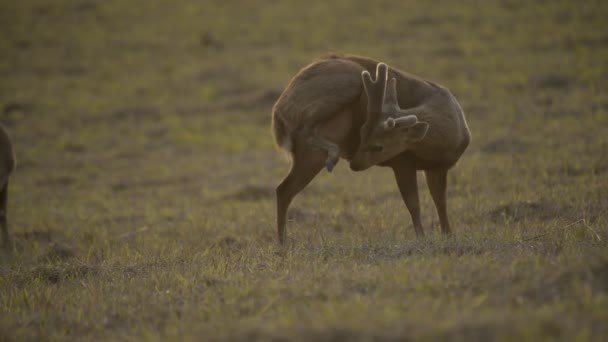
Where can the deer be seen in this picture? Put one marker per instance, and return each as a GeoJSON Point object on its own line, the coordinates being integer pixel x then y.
{"type": "Point", "coordinates": [7, 165]}
{"type": "Point", "coordinates": [332, 109]}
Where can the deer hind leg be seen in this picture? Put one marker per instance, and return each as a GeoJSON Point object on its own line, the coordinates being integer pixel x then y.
{"type": "Point", "coordinates": [333, 151]}
{"type": "Point", "coordinates": [331, 136]}
{"type": "Point", "coordinates": [405, 173]}
{"type": "Point", "coordinates": [437, 182]}
{"type": "Point", "coordinates": [306, 164]}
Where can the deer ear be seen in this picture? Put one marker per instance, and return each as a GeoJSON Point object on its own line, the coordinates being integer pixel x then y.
{"type": "Point", "coordinates": [417, 132]}
{"type": "Point", "coordinates": [406, 121]}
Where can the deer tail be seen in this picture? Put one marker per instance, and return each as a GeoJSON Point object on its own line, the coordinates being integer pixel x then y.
{"type": "Point", "coordinates": [282, 135]}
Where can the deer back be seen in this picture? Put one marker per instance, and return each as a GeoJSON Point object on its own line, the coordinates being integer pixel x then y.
{"type": "Point", "coordinates": [318, 91]}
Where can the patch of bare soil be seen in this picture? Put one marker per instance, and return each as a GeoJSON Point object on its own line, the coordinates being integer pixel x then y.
{"type": "Point", "coordinates": [251, 193]}
{"type": "Point", "coordinates": [257, 99]}
{"type": "Point", "coordinates": [59, 252]}
{"type": "Point", "coordinates": [528, 210]}
{"type": "Point", "coordinates": [596, 277]}
{"type": "Point", "coordinates": [139, 113]}
{"type": "Point", "coordinates": [122, 186]}
{"type": "Point", "coordinates": [329, 334]}
{"type": "Point", "coordinates": [298, 214]}
{"type": "Point", "coordinates": [57, 274]}
{"type": "Point", "coordinates": [449, 51]}
{"type": "Point", "coordinates": [209, 41]}
{"type": "Point", "coordinates": [62, 181]}
{"type": "Point", "coordinates": [120, 219]}
{"type": "Point", "coordinates": [553, 81]}
{"type": "Point", "coordinates": [473, 331]}
{"type": "Point", "coordinates": [229, 243]}
{"type": "Point", "coordinates": [10, 108]}
{"type": "Point", "coordinates": [247, 99]}
{"type": "Point", "coordinates": [36, 235]}
{"type": "Point", "coordinates": [345, 221]}
{"type": "Point", "coordinates": [505, 144]}
{"type": "Point", "coordinates": [570, 169]}
{"type": "Point", "coordinates": [57, 246]}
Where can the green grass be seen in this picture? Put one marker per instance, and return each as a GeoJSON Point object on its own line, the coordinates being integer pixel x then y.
{"type": "Point", "coordinates": [142, 207]}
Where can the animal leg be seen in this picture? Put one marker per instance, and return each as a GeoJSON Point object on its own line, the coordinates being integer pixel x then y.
{"type": "Point", "coordinates": [405, 174]}
{"type": "Point", "coordinates": [6, 239]}
{"type": "Point", "coordinates": [437, 181]}
{"type": "Point", "coordinates": [333, 151]}
{"type": "Point", "coordinates": [307, 162]}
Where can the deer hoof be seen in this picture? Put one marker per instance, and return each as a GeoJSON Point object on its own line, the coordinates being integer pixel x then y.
{"type": "Point", "coordinates": [330, 163]}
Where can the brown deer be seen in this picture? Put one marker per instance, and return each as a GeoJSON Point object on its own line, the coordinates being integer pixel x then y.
{"type": "Point", "coordinates": [7, 165]}
{"type": "Point", "coordinates": [333, 109]}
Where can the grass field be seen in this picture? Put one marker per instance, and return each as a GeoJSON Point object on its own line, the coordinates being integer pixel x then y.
{"type": "Point", "coordinates": [142, 207]}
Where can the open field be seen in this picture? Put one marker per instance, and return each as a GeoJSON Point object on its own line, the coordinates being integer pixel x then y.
{"type": "Point", "coordinates": [142, 207]}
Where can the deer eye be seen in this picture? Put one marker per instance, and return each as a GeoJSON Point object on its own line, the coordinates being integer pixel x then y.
{"type": "Point", "coordinates": [375, 148]}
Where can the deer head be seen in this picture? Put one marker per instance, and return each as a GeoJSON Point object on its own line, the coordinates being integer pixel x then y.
{"type": "Point", "coordinates": [388, 130]}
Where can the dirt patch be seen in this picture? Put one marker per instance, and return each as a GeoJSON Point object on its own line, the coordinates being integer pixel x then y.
{"type": "Point", "coordinates": [553, 81]}
{"type": "Point", "coordinates": [599, 274]}
{"type": "Point", "coordinates": [251, 193]}
{"type": "Point", "coordinates": [594, 43]}
{"type": "Point", "coordinates": [298, 214]}
{"type": "Point", "coordinates": [375, 254]}
{"type": "Point", "coordinates": [601, 165]}
{"type": "Point", "coordinates": [74, 148]}
{"type": "Point", "coordinates": [63, 181]}
{"type": "Point", "coordinates": [472, 331]}
{"type": "Point", "coordinates": [137, 113]}
{"type": "Point", "coordinates": [229, 244]}
{"type": "Point", "coordinates": [56, 274]}
{"type": "Point", "coordinates": [526, 210]}
{"type": "Point", "coordinates": [209, 41]}
{"type": "Point", "coordinates": [59, 252]}
{"type": "Point", "coordinates": [120, 219]}
{"type": "Point", "coordinates": [227, 241]}
{"type": "Point", "coordinates": [85, 6]}
{"type": "Point", "coordinates": [256, 99]}
{"type": "Point", "coordinates": [344, 222]}
{"type": "Point", "coordinates": [505, 144]}
{"type": "Point", "coordinates": [122, 186]}
{"type": "Point", "coordinates": [328, 334]}
{"type": "Point", "coordinates": [449, 51]}
{"type": "Point", "coordinates": [36, 235]}
{"type": "Point", "coordinates": [157, 133]}
{"type": "Point", "coordinates": [433, 248]}
{"type": "Point", "coordinates": [13, 107]}
{"type": "Point", "coordinates": [568, 169]}
{"type": "Point", "coordinates": [596, 277]}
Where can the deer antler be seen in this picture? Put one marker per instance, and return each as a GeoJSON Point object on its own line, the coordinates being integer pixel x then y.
{"type": "Point", "coordinates": [375, 90]}
{"type": "Point", "coordinates": [391, 103]}
{"type": "Point", "coordinates": [391, 107]}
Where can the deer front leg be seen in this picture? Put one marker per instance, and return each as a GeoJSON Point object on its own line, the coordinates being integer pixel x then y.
{"type": "Point", "coordinates": [437, 181]}
{"type": "Point", "coordinates": [405, 174]}
{"type": "Point", "coordinates": [333, 151]}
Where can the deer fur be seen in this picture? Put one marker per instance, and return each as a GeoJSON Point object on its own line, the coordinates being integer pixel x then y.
{"type": "Point", "coordinates": [333, 109]}
{"type": "Point", "coordinates": [7, 165]}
